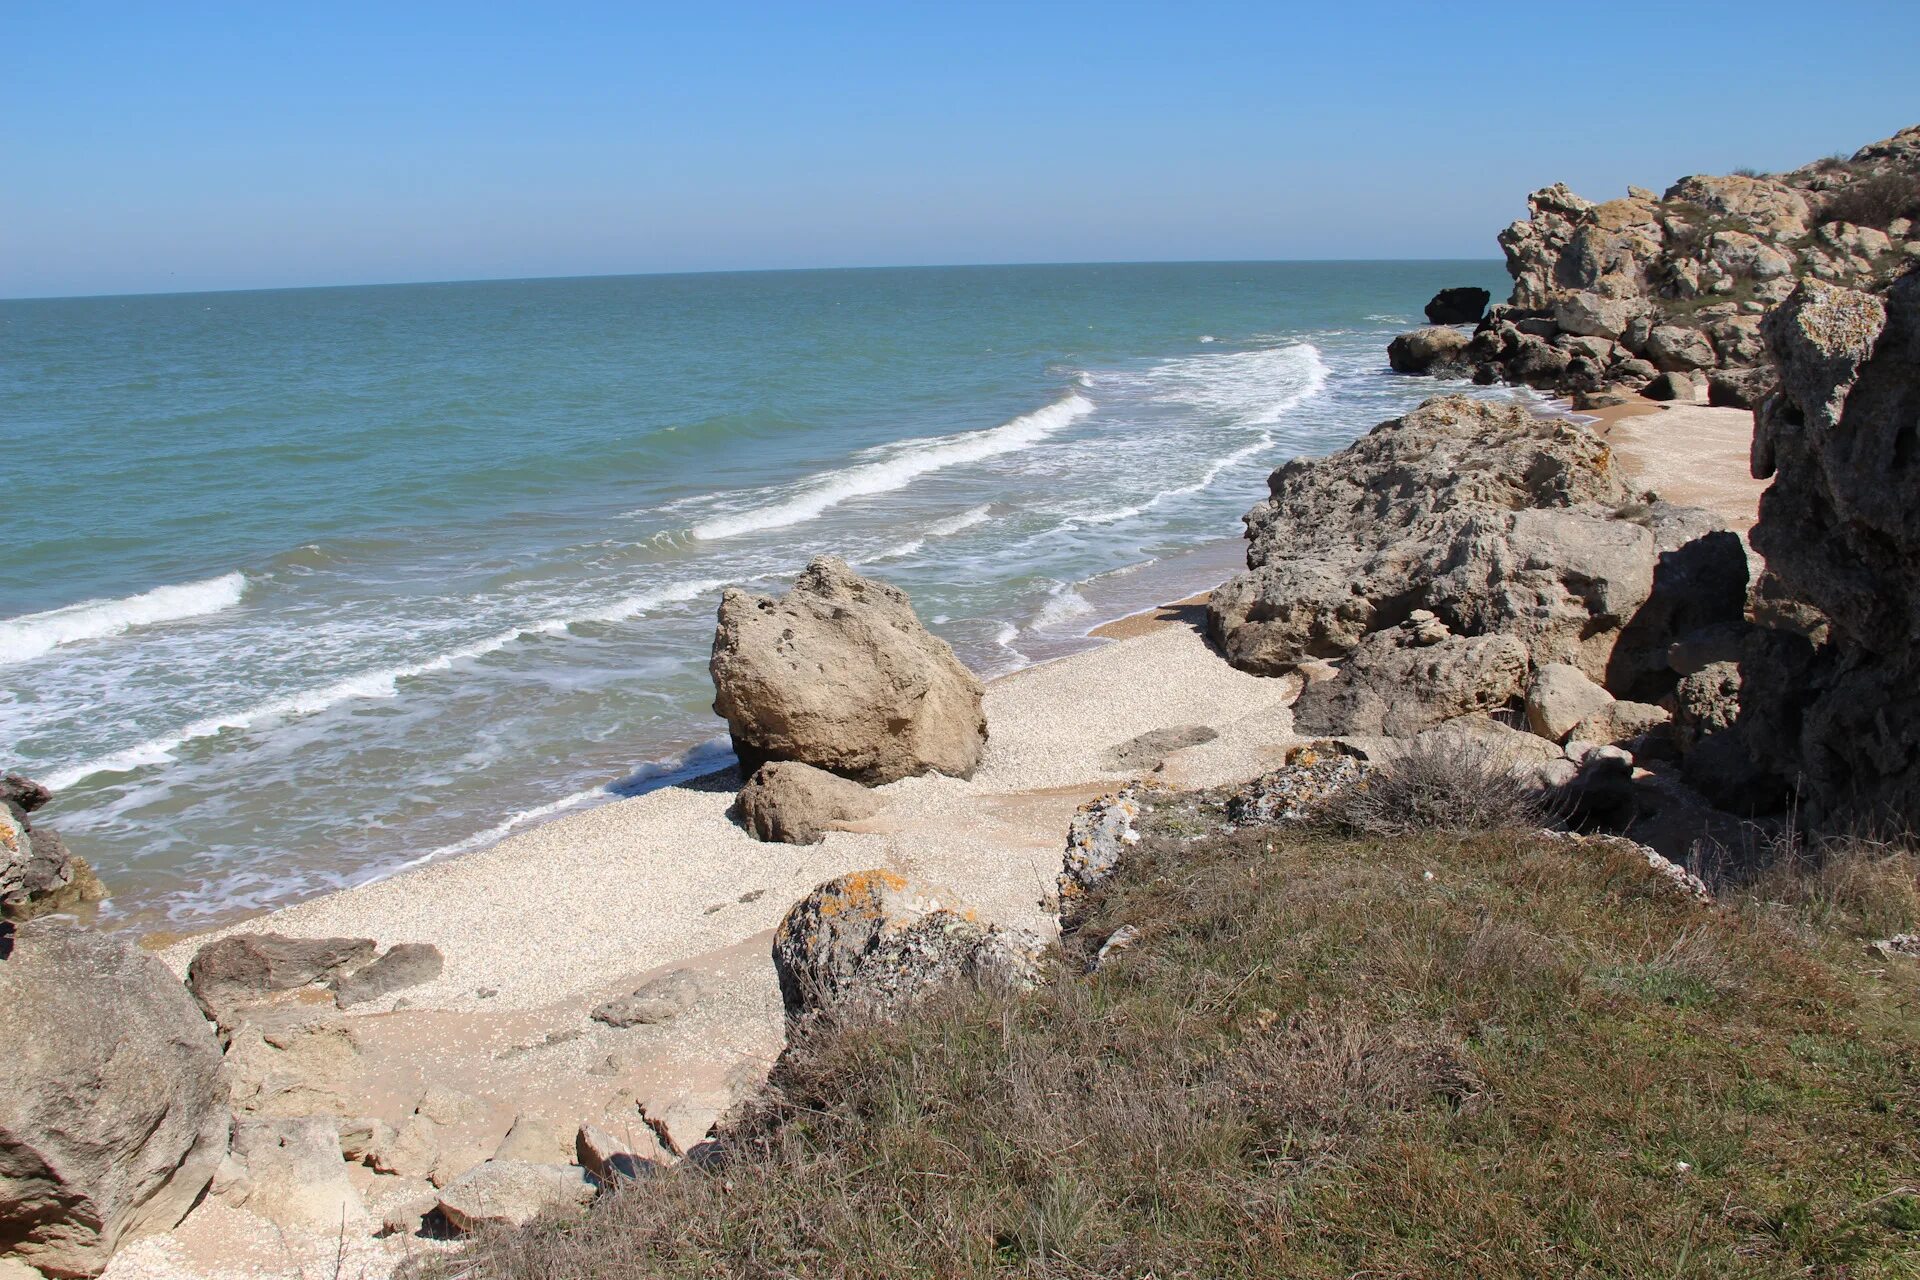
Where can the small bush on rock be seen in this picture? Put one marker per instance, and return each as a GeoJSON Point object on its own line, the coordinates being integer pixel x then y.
{"type": "Point", "coordinates": [1439, 786]}
{"type": "Point", "coordinates": [1874, 201]}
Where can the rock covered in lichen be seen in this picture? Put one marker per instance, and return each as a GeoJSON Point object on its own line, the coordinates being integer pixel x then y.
{"type": "Point", "coordinates": [875, 940]}
{"type": "Point", "coordinates": [1295, 792]}
{"type": "Point", "coordinates": [1097, 836]}
{"type": "Point", "coordinates": [38, 873]}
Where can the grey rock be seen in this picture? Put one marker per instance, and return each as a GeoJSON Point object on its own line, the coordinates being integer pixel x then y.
{"type": "Point", "coordinates": [114, 1115]}
{"type": "Point", "coordinates": [1393, 684]}
{"type": "Point", "coordinates": [876, 940]}
{"type": "Point", "coordinates": [1150, 750]}
{"type": "Point", "coordinates": [1464, 304]}
{"type": "Point", "coordinates": [1840, 530]}
{"type": "Point", "coordinates": [609, 1158]}
{"type": "Point", "coordinates": [1560, 697]}
{"type": "Point", "coordinates": [661, 1000]}
{"type": "Point", "coordinates": [1676, 348]}
{"type": "Point", "coordinates": [1098, 837]}
{"type": "Point", "coordinates": [1670, 386]}
{"type": "Point", "coordinates": [295, 1176]}
{"type": "Point", "coordinates": [1423, 349]}
{"type": "Point", "coordinates": [406, 965]}
{"type": "Point", "coordinates": [1344, 545]}
{"type": "Point", "coordinates": [244, 968]}
{"type": "Point", "coordinates": [512, 1193]}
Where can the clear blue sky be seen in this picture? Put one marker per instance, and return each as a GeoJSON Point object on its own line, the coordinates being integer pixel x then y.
{"type": "Point", "coordinates": [173, 146]}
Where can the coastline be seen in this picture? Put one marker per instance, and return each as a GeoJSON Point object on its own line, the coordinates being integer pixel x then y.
{"type": "Point", "coordinates": [541, 927]}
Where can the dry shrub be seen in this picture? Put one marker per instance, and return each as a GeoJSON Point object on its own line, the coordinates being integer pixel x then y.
{"type": "Point", "coordinates": [1874, 201]}
{"type": "Point", "coordinates": [1865, 885]}
{"type": "Point", "coordinates": [1439, 785]}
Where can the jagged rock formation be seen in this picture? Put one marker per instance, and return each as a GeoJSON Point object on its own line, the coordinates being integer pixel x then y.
{"type": "Point", "coordinates": [38, 873]}
{"type": "Point", "coordinates": [114, 1113]}
{"type": "Point", "coordinates": [1840, 528]}
{"type": "Point", "coordinates": [1617, 293]}
{"type": "Point", "coordinates": [1490, 518]}
{"type": "Point", "coordinates": [1470, 568]}
{"type": "Point", "coordinates": [839, 673]}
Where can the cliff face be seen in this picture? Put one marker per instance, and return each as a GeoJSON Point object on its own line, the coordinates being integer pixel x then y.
{"type": "Point", "coordinates": [1612, 295]}
{"type": "Point", "coordinates": [1840, 529]}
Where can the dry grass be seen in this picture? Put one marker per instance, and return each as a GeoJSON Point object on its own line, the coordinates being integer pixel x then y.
{"type": "Point", "coordinates": [1419, 1055]}
{"type": "Point", "coordinates": [1438, 786]}
{"type": "Point", "coordinates": [1874, 201]}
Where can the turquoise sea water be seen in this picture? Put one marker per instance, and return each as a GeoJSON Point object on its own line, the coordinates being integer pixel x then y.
{"type": "Point", "coordinates": [304, 586]}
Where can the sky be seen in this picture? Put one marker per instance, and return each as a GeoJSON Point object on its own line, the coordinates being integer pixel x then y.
{"type": "Point", "coordinates": [174, 147]}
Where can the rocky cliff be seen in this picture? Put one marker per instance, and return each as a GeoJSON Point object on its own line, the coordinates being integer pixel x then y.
{"type": "Point", "coordinates": [1661, 291]}
{"type": "Point", "coordinates": [1838, 709]}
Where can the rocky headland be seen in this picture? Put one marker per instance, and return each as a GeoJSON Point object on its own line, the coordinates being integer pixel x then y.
{"type": "Point", "coordinates": [1659, 294]}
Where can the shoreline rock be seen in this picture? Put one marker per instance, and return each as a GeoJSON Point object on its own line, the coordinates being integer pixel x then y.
{"type": "Point", "coordinates": [840, 674]}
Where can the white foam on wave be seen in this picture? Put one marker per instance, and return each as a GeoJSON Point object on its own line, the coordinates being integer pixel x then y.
{"type": "Point", "coordinates": [1251, 388]}
{"type": "Point", "coordinates": [33, 634]}
{"type": "Point", "coordinates": [1063, 605]}
{"type": "Point", "coordinates": [900, 469]}
{"type": "Point", "coordinates": [938, 529]}
{"type": "Point", "coordinates": [381, 683]}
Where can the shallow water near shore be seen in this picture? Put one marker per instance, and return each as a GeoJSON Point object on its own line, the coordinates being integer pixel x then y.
{"type": "Point", "coordinates": [317, 584]}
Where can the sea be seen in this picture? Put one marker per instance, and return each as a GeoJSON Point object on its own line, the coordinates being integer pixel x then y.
{"type": "Point", "coordinates": [303, 587]}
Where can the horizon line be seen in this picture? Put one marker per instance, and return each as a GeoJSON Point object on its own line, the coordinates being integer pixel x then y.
{"type": "Point", "coordinates": [718, 271]}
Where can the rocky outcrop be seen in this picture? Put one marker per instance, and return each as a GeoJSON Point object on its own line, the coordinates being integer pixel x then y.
{"type": "Point", "coordinates": [1428, 350]}
{"type": "Point", "coordinates": [113, 1113]}
{"type": "Point", "coordinates": [1463, 304]}
{"type": "Point", "coordinates": [291, 1172]}
{"type": "Point", "coordinates": [38, 873]}
{"type": "Point", "coordinates": [661, 1000]}
{"type": "Point", "coordinates": [1840, 529]}
{"type": "Point", "coordinates": [1616, 292]}
{"type": "Point", "coordinates": [1490, 518]}
{"type": "Point", "coordinates": [793, 803]}
{"type": "Point", "coordinates": [875, 940]}
{"type": "Point", "coordinates": [839, 673]}
{"type": "Point", "coordinates": [242, 969]}
{"type": "Point", "coordinates": [1402, 680]}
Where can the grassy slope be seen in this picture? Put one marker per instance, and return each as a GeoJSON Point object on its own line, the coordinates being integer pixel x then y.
{"type": "Point", "coordinates": [1496, 1055]}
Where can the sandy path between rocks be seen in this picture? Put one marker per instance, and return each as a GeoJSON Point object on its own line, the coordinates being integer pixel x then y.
{"type": "Point", "coordinates": [1691, 454]}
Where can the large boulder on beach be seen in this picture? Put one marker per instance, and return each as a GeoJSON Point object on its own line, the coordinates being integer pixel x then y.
{"type": "Point", "coordinates": [242, 969]}
{"type": "Point", "coordinates": [876, 940]}
{"type": "Point", "coordinates": [793, 803]}
{"type": "Point", "coordinates": [839, 673]}
{"type": "Point", "coordinates": [113, 1112]}
{"type": "Point", "coordinates": [1486, 515]}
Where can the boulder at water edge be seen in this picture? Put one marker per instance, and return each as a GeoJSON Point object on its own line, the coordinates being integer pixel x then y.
{"type": "Point", "coordinates": [113, 1098]}
{"type": "Point", "coordinates": [838, 673]}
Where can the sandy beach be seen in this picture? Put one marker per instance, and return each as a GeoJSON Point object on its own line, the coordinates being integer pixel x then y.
{"type": "Point", "coordinates": [540, 928]}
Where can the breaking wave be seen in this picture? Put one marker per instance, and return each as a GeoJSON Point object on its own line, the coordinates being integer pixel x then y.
{"type": "Point", "coordinates": [900, 469]}
{"type": "Point", "coordinates": [33, 634]}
